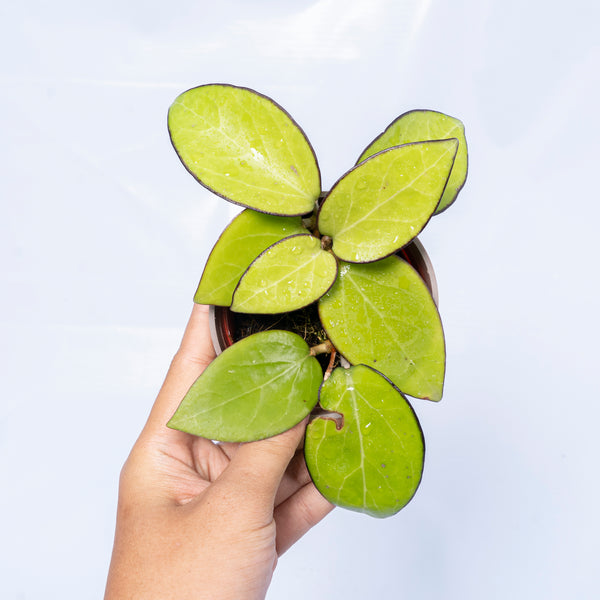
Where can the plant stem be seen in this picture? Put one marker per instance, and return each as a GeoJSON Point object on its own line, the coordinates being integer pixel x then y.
{"type": "Point", "coordinates": [325, 348]}
{"type": "Point", "coordinates": [320, 413]}
{"type": "Point", "coordinates": [310, 222]}
{"type": "Point", "coordinates": [330, 365]}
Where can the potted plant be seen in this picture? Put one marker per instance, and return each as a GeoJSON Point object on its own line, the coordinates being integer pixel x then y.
{"type": "Point", "coordinates": [326, 272]}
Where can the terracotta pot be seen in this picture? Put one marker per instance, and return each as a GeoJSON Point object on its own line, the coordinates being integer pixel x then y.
{"type": "Point", "coordinates": [222, 320]}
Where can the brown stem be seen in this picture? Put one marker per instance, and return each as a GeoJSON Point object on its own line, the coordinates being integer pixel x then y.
{"type": "Point", "coordinates": [328, 415]}
{"type": "Point", "coordinates": [330, 365]}
{"type": "Point", "coordinates": [310, 222]}
{"type": "Point", "coordinates": [325, 348]}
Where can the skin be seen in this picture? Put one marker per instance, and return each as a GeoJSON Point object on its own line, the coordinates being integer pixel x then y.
{"type": "Point", "coordinates": [196, 519]}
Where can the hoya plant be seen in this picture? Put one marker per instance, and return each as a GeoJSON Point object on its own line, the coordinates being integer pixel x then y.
{"type": "Point", "coordinates": [331, 261]}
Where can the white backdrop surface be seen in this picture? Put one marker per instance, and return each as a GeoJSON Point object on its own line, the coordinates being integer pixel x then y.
{"type": "Point", "coordinates": [104, 236]}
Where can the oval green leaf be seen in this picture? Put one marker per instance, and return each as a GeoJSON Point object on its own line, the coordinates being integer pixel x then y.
{"type": "Point", "coordinates": [289, 275]}
{"type": "Point", "coordinates": [374, 463]}
{"type": "Point", "coordinates": [382, 315]}
{"type": "Point", "coordinates": [384, 202]}
{"type": "Point", "coordinates": [246, 148]}
{"type": "Point", "coordinates": [420, 126]}
{"type": "Point", "coordinates": [257, 388]}
{"type": "Point", "coordinates": [249, 234]}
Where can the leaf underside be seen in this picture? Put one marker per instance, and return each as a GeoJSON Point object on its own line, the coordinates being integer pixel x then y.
{"type": "Point", "coordinates": [246, 148]}
{"type": "Point", "coordinates": [382, 315]}
{"type": "Point", "coordinates": [289, 275]}
{"type": "Point", "coordinates": [422, 125]}
{"type": "Point", "coordinates": [257, 388]}
{"type": "Point", "coordinates": [373, 464]}
{"type": "Point", "coordinates": [249, 234]}
{"type": "Point", "coordinates": [384, 202]}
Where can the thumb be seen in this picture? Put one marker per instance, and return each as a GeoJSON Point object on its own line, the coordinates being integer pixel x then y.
{"type": "Point", "coordinates": [258, 467]}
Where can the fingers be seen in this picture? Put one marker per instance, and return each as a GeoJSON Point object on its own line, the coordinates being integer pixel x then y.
{"type": "Point", "coordinates": [194, 355]}
{"type": "Point", "coordinates": [257, 468]}
{"type": "Point", "coordinates": [295, 476]}
{"type": "Point", "coordinates": [209, 460]}
{"type": "Point", "coordinates": [196, 345]}
{"type": "Point", "coordinates": [229, 448]}
{"type": "Point", "coordinates": [299, 513]}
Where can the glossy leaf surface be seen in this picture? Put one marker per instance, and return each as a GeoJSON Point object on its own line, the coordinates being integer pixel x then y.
{"type": "Point", "coordinates": [259, 387]}
{"type": "Point", "coordinates": [289, 275]}
{"type": "Point", "coordinates": [384, 202]}
{"type": "Point", "coordinates": [249, 234]}
{"type": "Point", "coordinates": [373, 464]}
{"type": "Point", "coordinates": [422, 125]}
{"type": "Point", "coordinates": [382, 315]}
{"type": "Point", "coordinates": [246, 148]}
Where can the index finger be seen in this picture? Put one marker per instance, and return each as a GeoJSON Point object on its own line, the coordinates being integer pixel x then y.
{"type": "Point", "coordinates": [195, 353]}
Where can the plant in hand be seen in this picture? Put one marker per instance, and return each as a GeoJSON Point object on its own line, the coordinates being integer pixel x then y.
{"type": "Point", "coordinates": [295, 251]}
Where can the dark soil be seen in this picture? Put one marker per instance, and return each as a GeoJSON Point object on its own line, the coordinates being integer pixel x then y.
{"type": "Point", "coordinates": [305, 322]}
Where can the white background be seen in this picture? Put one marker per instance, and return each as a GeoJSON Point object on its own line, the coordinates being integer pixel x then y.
{"type": "Point", "coordinates": [104, 236]}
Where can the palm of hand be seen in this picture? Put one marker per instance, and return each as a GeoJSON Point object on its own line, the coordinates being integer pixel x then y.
{"type": "Point", "coordinates": [203, 520]}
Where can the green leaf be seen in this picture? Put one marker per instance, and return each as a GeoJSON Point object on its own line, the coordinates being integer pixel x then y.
{"type": "Point", "coordinates": [249, 234]}
{"type": "Point", "coordinates": [382, 315]}
{"type": "Point", "coordinates": [291, 274]}
{"type": "Point", "coordinates": [373, 464]}
{"type": "Point", "coordinates": [246, 148]}
{"type": "Point", "coordinates": [259, 387]}
{"type": "Point", "coordinates": [384, 202]}
{"type": "Point", "coordinates": [420, 126]}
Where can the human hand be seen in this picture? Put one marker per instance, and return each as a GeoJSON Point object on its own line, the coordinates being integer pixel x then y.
{"type": "Point", "coordinates": [197, 519]}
